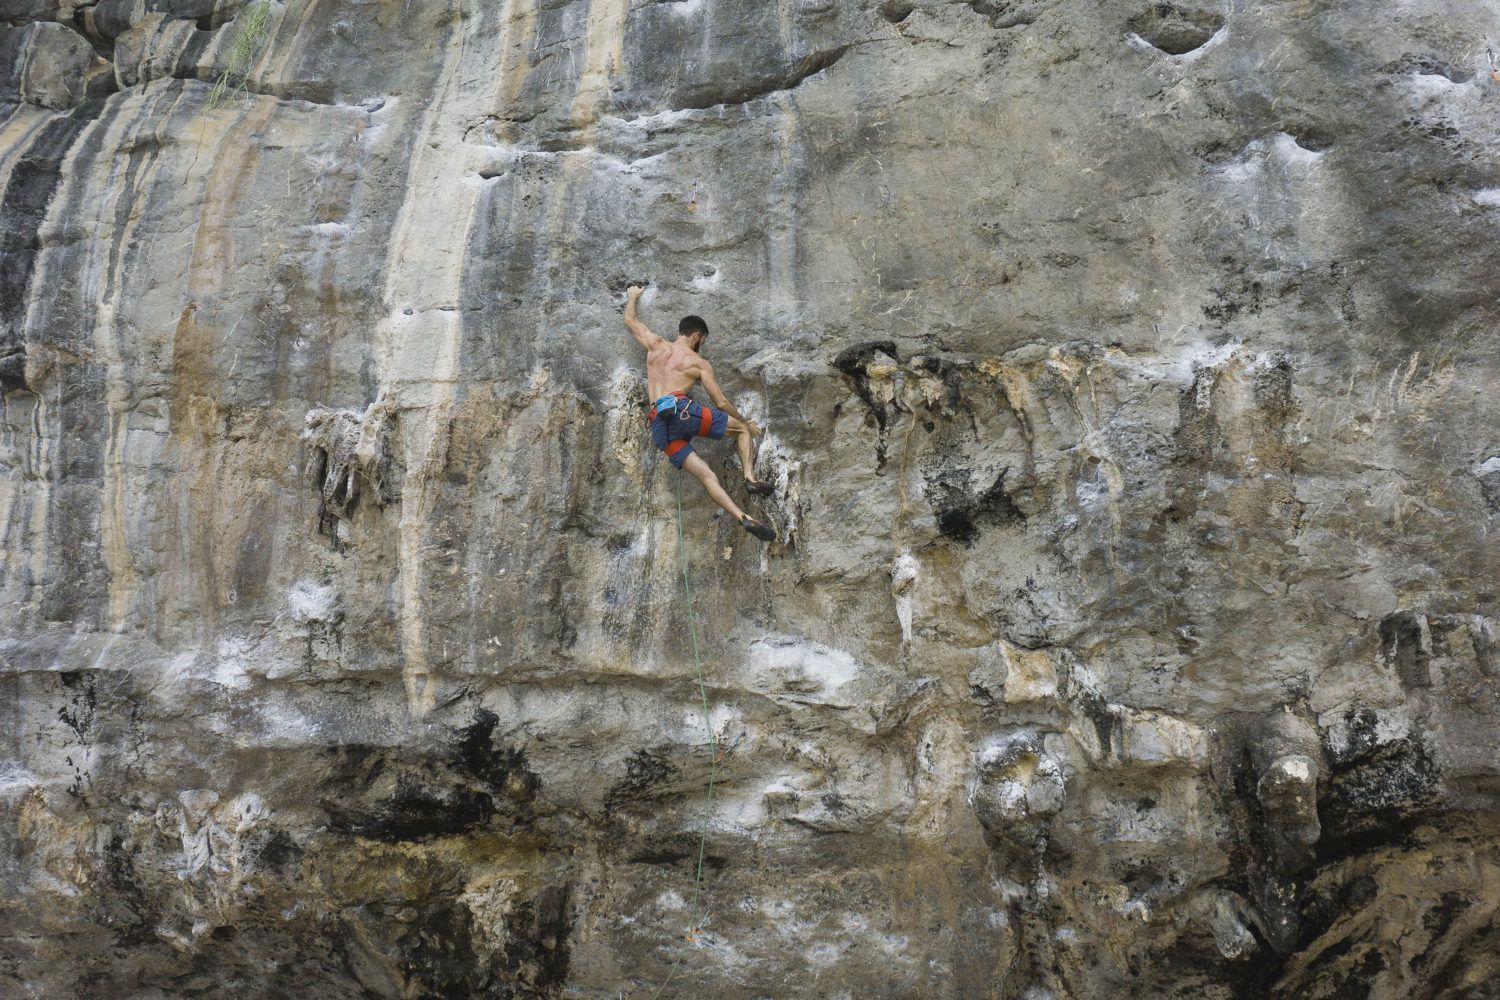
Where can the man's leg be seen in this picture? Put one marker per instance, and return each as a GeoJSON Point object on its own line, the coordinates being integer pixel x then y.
{"type": "Point", "coordinates": [744, 443]}
{"type": "Point", "coordinates": [699, 468]}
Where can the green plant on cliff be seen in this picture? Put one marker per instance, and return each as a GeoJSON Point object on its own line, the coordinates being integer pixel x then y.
{"type": "Point", "coordinates": [252, 27]}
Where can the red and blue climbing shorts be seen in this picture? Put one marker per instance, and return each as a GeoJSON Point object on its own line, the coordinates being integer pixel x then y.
{"type": "Point", "coordinates": [672, 429]}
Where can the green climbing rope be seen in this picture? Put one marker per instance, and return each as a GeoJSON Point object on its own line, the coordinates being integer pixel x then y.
{"type": "Point", "coordinates": [713, 756]}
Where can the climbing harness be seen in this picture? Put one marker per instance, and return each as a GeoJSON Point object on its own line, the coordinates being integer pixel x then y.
{"type": "Point", "coordinates": [695, 929]}
{"type": "Point", "coordinates": [679, 403]}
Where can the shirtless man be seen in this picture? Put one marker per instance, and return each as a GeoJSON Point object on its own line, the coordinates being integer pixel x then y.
{"type": "Point", "coordinates": [672, 368]}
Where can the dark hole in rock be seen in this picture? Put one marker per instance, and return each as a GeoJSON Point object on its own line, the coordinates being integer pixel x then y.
{"type": "Point", "coordinates": [1313, 140]}
{"type": "Point", "coordinates": [1375, 797]}
{"type": "Point", "coordinates": [1176, 30]}
{"type": "Point", "coordinates": [1217, 152]}
{"type": "Point", "coordinates": [852, 360]}
{"type": "Point", "coordinates": [895, 11]}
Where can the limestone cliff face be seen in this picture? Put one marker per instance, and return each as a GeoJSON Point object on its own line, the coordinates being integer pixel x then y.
{"type": "Point", "coordinates": [1129, 377]}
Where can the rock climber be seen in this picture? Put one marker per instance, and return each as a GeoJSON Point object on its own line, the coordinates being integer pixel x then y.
{"type": "Point", "coordinates": [672, 368]}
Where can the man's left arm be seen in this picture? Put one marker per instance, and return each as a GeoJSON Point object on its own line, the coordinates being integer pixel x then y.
{"type": "Point", "coordinates": [722, 402]}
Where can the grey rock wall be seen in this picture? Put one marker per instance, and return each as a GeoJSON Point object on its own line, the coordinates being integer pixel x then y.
{"type": "Point", "coordinates": [1128, 370]}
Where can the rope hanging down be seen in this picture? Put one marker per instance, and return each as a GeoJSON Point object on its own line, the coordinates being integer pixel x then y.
{"type": "Point", "coordinates": [696, 927]}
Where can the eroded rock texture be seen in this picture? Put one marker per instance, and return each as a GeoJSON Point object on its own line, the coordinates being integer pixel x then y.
{"type": "Point", "coordinates": [1129, 375]}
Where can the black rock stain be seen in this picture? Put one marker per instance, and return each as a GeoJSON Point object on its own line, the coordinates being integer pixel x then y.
{"type": "Point", "coordinates": [644, 770]}
{"type": "Point", "coordinates": [278, 851]}
{"type": "Point", "coordinates": [854, 362]}
{"type": "Point", "coordinates": [78, 714]}
{"type": "Point", "coordinates": [504, 770]}
{"type": "Point", "coordinates": [137, 924]}
{"type": "Point", "coordinates": [476, 781]}
{"type": "Point", "coordinates": [1377, 792]}
{"type": "Point", "coordinates": [962, 515]}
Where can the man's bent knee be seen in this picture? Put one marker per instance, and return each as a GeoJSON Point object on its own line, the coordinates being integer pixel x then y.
{"type": "Point", "coordinates": [698, 467]}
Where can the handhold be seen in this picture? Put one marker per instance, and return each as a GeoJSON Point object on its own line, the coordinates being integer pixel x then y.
{"type": "Point", "coordinates": [1175, 30]}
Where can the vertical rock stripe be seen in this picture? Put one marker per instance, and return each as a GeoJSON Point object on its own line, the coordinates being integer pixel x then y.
{"type": "Point", "coordinates": [418, 343]}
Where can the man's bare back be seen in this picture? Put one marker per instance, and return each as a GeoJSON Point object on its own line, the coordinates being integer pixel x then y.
{"type": "Point", "coordinates": [673, 367]}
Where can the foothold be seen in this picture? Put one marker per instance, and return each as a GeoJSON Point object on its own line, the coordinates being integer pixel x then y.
{"type": "Point", "coordinates": [1488, 475]}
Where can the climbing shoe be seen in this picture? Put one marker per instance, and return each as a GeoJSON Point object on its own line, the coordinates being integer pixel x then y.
{"type": "Point", "coordinates": [759, 529]}
{"type": "Point", "coordinates": [757, 488]}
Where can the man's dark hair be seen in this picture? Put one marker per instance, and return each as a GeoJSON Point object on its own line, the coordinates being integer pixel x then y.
{"type": "Point", "coordinates": [690, 325]}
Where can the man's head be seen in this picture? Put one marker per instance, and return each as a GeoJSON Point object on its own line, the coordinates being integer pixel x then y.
{"type": "Point", "coordinates": [690, 325]}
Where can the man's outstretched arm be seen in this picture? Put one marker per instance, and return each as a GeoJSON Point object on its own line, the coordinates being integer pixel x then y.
{"type": "Point", "coordinates": [640, 331]}
{"type": "Point", "coordinates": [722, 402]}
